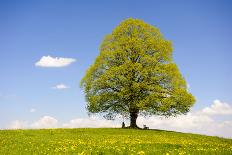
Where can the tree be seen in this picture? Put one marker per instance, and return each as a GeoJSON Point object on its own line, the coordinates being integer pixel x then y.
{"type": "Point", "coordinates": [135, 75]}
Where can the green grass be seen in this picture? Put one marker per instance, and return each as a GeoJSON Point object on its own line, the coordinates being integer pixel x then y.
{"type": "Point", "coordinates": [109, 141]}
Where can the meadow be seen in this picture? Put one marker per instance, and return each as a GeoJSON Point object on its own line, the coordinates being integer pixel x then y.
{"type": "Point", "coordinates": [85, 141]}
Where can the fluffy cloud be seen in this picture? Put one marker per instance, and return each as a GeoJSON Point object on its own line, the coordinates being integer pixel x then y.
{"type": "Point", "coordinates": [60, 86]}
{"type": "Point", "coordinates": [48, 61]}
{"type": "Point", "coordinates": [32, 110]}
{"type": "Point", "coordinates": [218, 108]}
{"type": "Point", "coordinates": [45, 122]}
{"type": "Point", "coordinates": [92, 122]}
{"type": "Point", "coordinates": [17, 124]}
{"type": "Point", "coordinates": [202, 121]}
{"type": "Point", "coordinates": [190, 123]}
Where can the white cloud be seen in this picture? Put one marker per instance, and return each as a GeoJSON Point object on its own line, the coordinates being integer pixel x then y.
{"type": "Point", "coordinates": [201, 121]}
{"type": "Point", "coordinates": [48, 61]}
{"type": "Point", "coordinates": [218, 108]}
{"type": "Point", "coordinates": [32, 110]}
{"type": "Point", "coordinates": [17, 124]}
{"type": "Point", "coordinates": [45, 122]}
{"type": "Point", "coordinates": [60, 86]}
{"type": "Point", "coordinates": [92, 122]}
{"type": "Point", "coordinates": [190, 123]}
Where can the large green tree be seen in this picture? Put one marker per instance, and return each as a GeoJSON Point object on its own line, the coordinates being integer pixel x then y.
{"type": "Point", "coordinates": [135, 75]}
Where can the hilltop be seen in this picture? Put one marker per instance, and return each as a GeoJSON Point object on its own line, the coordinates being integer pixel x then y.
{"type": "Point", "coordinates": [109, 141]}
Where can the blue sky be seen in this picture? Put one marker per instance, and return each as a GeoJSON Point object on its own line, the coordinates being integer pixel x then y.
{"type": "Point", "coordinates": [200, 31]}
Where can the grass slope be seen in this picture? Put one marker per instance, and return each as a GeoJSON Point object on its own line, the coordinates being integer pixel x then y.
{"type": "Point", "coordinates": [109, 141]}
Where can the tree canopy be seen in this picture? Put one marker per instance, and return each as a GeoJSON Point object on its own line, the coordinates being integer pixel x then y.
{"type": "Point", "coordinates": [135, 74]}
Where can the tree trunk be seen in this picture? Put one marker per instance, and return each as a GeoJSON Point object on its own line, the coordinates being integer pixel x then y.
{"type": "Point", "coordinates": [133, 118]}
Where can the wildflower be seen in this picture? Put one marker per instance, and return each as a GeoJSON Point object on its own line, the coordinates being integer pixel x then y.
{"type": "Point", "coordinates": [141, 153]}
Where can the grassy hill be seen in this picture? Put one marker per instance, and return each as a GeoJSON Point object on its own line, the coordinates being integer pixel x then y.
{"type": "Point", "coordinates": [109, 141]}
